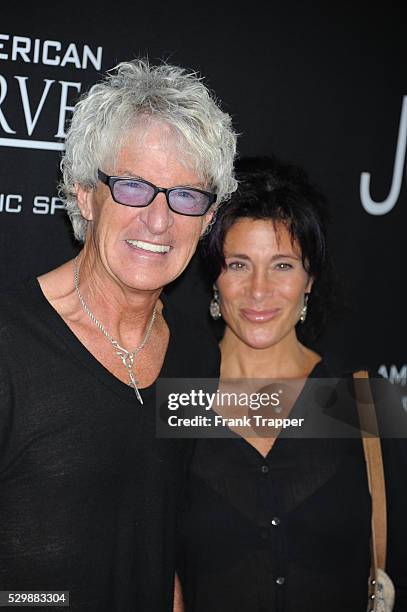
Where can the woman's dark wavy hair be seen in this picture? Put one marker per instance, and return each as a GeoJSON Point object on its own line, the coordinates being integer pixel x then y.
{"type": "Point", "coordinates": [272, 190]}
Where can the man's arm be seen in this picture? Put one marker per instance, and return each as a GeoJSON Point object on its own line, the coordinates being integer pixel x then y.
{"type": "Point", "coordinates": [178, 600]}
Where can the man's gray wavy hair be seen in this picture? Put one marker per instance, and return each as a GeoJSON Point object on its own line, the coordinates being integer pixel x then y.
{"type": "Point", "coordinates": [135, 91]}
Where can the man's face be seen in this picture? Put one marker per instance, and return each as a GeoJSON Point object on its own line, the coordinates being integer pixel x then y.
{"type": "Point", "coordinates": [143, 248]}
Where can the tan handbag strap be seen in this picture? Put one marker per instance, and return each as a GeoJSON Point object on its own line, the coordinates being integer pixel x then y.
{"type": "Point", "coordinates": [374, 467]}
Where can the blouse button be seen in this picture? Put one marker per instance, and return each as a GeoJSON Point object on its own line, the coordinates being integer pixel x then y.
{"type": "Point", "coordinates": [280, 580]}
{"type": "Point", "coordinates": [265, 469]}
{"type": "Point", "coordinates": [275, 521]}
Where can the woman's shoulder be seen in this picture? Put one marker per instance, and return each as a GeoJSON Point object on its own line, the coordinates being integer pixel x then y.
{"type": "Point", "coordinates": [333, 365]}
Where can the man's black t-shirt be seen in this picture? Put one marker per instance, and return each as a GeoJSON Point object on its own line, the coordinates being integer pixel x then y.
{"type": "Point", "coordinates": [88, 493]}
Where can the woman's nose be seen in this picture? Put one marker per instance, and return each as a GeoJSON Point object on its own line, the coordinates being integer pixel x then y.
{"type": "Point", "coordinates": [260, 285]}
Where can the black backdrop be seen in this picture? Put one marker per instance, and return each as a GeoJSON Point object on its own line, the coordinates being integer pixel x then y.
{"type": "Point", "coordinates": [321, 84]}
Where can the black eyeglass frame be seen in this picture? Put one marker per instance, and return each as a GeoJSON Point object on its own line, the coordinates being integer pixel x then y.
{"type": "Point", "coordinates": [111, 180]}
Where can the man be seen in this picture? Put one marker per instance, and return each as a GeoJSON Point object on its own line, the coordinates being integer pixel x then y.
{"type": "Point", "coordinates": [88, 494]}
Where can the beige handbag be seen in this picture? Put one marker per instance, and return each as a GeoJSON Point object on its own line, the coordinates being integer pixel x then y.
{"type": "Point", "coordinates": [381, 588]}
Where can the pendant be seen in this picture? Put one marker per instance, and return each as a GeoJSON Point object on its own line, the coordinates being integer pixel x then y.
{"type": "Point", "coordinates": [128, 362]}
{"type": "Point", "coordinates": [133, 383]}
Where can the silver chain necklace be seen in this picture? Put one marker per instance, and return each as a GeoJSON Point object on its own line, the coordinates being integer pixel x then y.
{"type": "Point", "coordinates": [127, 357]}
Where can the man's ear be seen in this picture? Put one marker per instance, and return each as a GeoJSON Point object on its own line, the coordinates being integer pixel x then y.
{"type": "Point", "coordinates": [85, 200]}
{"type": "Point", "coordinates": [208, 220]}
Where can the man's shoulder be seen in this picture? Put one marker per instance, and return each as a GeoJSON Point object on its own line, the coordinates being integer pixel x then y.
{"type": "Point", "coordinates": [195, 344]}
{"type": "Point", "coordinates": [18, 302]}
{"type": "Point", "coordinates": [187, 322]}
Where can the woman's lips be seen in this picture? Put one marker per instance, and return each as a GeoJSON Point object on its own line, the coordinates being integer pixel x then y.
{"type": "Point", "coordinates": [259, 316]}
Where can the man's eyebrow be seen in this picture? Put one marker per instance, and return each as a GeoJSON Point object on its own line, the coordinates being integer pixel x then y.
{"type": "Point", "coordinates": [129, 174]}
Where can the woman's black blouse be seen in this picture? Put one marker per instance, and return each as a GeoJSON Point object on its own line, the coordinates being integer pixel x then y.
{"type": "Point", "coordinates": [289, 532]}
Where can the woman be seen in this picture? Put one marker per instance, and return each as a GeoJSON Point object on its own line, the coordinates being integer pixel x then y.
{"type": "Point", "coordinates": [274, 523]}
{"type": "Point", "coordinates": [88, 493]}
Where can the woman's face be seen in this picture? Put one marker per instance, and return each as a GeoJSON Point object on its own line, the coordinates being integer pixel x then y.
{"type": "Point", "coordinates": [263, 284]}
{"type": "Point", "coordinates": [143, 248]}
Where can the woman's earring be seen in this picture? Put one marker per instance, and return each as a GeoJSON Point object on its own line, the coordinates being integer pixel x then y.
{"type": "Point", "coordinates": [304, 309]}
{"type": "Point", "coordinates": [214, 307]}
